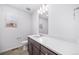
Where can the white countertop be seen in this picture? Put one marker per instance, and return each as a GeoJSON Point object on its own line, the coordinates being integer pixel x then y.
{"type": "Point", "coordinates": [59, 46]}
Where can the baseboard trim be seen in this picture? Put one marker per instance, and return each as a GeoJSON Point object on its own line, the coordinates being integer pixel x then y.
{"type": "Point", "coordinates": [10, 49]}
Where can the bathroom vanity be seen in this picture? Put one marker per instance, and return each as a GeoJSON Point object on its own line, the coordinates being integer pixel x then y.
{"type": "Point", "coordinates": [36, 48]}
{"type": "Point", "coordinates": [46, 45]}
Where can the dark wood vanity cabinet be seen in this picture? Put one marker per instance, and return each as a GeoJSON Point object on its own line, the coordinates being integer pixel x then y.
{"type": "Point", "coordinates": [46, 51]}
{"type": "Point", "coordinates": [35, 48]}
{"type": "Point", "coordinates": [30, 48]}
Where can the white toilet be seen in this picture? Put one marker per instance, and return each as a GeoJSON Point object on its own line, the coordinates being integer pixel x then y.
{"type": "Point", "coordinates": [24, 44]}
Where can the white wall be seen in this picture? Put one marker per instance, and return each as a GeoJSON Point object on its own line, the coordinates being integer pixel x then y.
{"type": "Point", "coordinates": [61, 21]}
{"type": "Point", "coordinates": [76, 19]}
{"type": "Point", "coordinates": [44, 23]}
{"type": "Point", "coordinates": [0, 26]}
{"type": "Point", "coordinates": [35, 24]}
{"type": "Point", "coordinates": [9, 36]}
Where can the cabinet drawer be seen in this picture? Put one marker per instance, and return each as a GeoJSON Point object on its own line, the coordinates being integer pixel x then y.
{"type": "Point", "coordinates": [46, 51]}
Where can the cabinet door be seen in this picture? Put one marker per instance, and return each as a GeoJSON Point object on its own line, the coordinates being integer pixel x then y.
{"type": "Point", "coordinates": [46, 51]}
{"type": "Point", "coordinates": [33, 47]}
{"type": "Point", "coordinates": [35, 50]}
{"type": "Point", "coordinates": [30, 48]}
{"type": "Point", "coordinates": [43, 53]}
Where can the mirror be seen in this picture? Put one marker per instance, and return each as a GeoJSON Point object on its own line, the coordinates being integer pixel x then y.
{"type": "Point", "coordinates": [43, 20]}
{"type": "Point", "coordinates": [43, 25]}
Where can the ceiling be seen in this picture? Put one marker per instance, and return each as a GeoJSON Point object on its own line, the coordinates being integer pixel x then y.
{"type": "Point", "coordinates": [30, 8]}
{"type": "Point", "coordinates": [33, 7]}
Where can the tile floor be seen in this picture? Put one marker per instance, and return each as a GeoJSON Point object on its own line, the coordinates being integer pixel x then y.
{"type": "Point", "coordinates": [17, 51]}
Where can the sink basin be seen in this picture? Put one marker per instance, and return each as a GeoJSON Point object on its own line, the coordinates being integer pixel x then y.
{"type": "Point", "coordinates": [36, 36]}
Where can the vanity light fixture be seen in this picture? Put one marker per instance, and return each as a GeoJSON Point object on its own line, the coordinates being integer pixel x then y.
{"type": "Point", "coordinates": [75, 9]}
{"type": "Point", "coordinates": [43, 9]}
